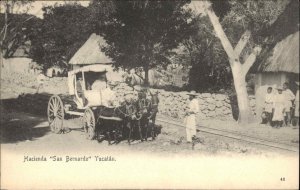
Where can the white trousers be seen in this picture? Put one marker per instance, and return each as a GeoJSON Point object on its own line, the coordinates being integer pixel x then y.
{"type": "Point", "coordinates": [190, 124]}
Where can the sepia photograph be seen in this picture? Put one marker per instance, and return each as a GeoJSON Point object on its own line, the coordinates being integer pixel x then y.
{"type": "Point", "coordinates": [149, 94]}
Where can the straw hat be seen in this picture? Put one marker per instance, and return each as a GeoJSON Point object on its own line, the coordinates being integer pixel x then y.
{"type": "Point", "coordinates": [192, 93]}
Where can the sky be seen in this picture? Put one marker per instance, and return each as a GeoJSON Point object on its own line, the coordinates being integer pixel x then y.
{"type": "Point", "coordinates": [36, 6]}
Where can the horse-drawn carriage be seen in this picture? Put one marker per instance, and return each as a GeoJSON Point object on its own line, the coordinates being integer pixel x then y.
{"type": "Point", "coordinates": [96, 105]}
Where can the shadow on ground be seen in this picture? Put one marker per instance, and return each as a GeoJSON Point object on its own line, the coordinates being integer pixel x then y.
{"type": "Point", "coordinates": [17, 123]}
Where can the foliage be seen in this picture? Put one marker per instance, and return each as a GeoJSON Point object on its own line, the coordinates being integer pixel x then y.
{"type": "Point", "coordinates": [63, 31]}
{"type": "Point", "coordinates": [255, 16]}
{"type": "Point", "coordinates": [204, 54]}
{"type": "Point", "coordinates": [15, 29]}
{"type": "Point", "coordinates": [22, 28]}
{"type": "Point", "coordinates": [220, 7]}
{"type": "Point", "coordinates": [144, 33]}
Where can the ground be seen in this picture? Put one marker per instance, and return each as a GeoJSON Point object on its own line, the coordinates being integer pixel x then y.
{"type": "Point", "coordinates": [167, 162]}
{"type": "Point", "coordinates": [22, 131]}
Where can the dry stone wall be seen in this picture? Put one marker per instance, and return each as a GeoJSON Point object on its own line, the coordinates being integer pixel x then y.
{"type": "Point", "coordinates": [175, 104]}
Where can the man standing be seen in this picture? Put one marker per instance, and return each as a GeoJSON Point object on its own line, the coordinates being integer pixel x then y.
{"type": "Point", "coordinates": [190, 119]}
{"type": "Point", "coordinates": [279, 105]}
{"type": "Point", "coordinates": [268, 106]}
{"type": "Point", "coordinates": [289, 97]}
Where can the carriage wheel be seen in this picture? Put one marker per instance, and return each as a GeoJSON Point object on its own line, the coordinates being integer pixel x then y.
{"type": "Point", "coordinates": [55, 113]}
{"type": "Point", "coordinates": [89, 123]}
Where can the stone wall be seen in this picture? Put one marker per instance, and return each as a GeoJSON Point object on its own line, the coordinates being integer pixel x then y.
{"type": "Point", "coordinates": [175, 104]}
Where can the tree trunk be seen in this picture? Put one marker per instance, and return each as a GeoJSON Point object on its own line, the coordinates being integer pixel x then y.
{"type": "Point", "coordinates": [239, 70]}
{"type": "Point", "coordinates": [239, 78]}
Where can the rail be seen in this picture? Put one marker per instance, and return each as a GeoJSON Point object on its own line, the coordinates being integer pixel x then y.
{"type": "Point", "coordinates": [235, 135]}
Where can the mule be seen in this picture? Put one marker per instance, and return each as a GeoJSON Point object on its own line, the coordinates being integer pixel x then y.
{"type": "Point", "coordinates": [110, 123]}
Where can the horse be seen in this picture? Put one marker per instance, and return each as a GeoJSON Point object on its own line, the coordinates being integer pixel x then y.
{"type": "Point", "coordinates": [131, 120]}
{"type": "Point", "coordinates": [153, 110]}
{"type": "Point", "coordinates": [110, 121]}
{"type": "Point", "coordinates": [143, 106]}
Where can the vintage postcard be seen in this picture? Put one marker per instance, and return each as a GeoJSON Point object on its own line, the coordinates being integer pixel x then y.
{"type": "Point", "coordinates": [151, 94]}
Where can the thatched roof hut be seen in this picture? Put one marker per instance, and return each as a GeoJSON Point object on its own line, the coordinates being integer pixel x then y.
{"type": "Point", "coordinates": [278, 65]}
{"type": "Point", "coordinates": [284, 57]}
{"type": "Point", "coordinates": [90, 52]}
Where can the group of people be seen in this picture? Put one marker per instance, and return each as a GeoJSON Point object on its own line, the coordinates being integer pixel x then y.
{"type": "Point", "coordinates": [280, 105]}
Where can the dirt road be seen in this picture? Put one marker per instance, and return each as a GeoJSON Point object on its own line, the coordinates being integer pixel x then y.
{"type": "Point", "coordinates": [23, 131]}
{"type": "Point", "coordinates": [27, 132]}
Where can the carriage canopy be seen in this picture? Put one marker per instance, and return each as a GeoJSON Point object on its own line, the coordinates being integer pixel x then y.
{"type": "Point", "coordinates": [90, 68]}
{"type": "Point", "coordinates": [98, 69]}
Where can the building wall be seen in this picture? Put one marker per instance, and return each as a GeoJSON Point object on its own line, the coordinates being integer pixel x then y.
{"type": "Point", "coordinates": [18, 64]}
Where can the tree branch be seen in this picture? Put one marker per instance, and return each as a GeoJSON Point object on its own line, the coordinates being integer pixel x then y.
{"type": "Point", "coordinates": [220, 33]}
{"type": "Point", "coordinates": [242, 43]}
{"type": "Point", "coordinates": [250, 60]}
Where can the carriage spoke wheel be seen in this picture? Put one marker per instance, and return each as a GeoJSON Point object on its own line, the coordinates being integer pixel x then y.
{"type": "Point", "coordinates": [55, 113]}
{"type": "Point", "coordinates": [89, 123]}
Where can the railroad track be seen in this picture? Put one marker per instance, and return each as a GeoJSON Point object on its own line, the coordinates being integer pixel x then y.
{"type": "Point", "coordinates": [234, 135]}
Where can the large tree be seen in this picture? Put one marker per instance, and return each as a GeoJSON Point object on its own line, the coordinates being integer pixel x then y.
{"type": "Point", "coordinates": [16, 26]}
{"type": "Point", "coordinates": [64, 29]}
{"type": "Point", "coordinates": [141, 34]}
{"type": "Point", "coordinates": [244, 19]}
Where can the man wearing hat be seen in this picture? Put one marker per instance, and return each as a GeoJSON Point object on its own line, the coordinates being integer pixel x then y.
{"type": "Point", "coordinates": [279, 104]}
{"type": "Point", "coordinates": [190, 119]}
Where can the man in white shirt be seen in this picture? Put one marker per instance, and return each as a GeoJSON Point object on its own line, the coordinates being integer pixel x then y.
{"type": "Point", "coordinates": [268, 106]}
{"type": "Point", "coordinates": [279, 104]}
{"type": "Point", "coordinates": [289, 97]}
{"type": "Point", "coordinates": [190, 119]}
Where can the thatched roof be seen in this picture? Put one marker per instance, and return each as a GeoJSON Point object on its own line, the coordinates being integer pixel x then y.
{"type": "Point", "coordinates": [90, 52]}
{"type": "Point", "coordinates": [284, 57]}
